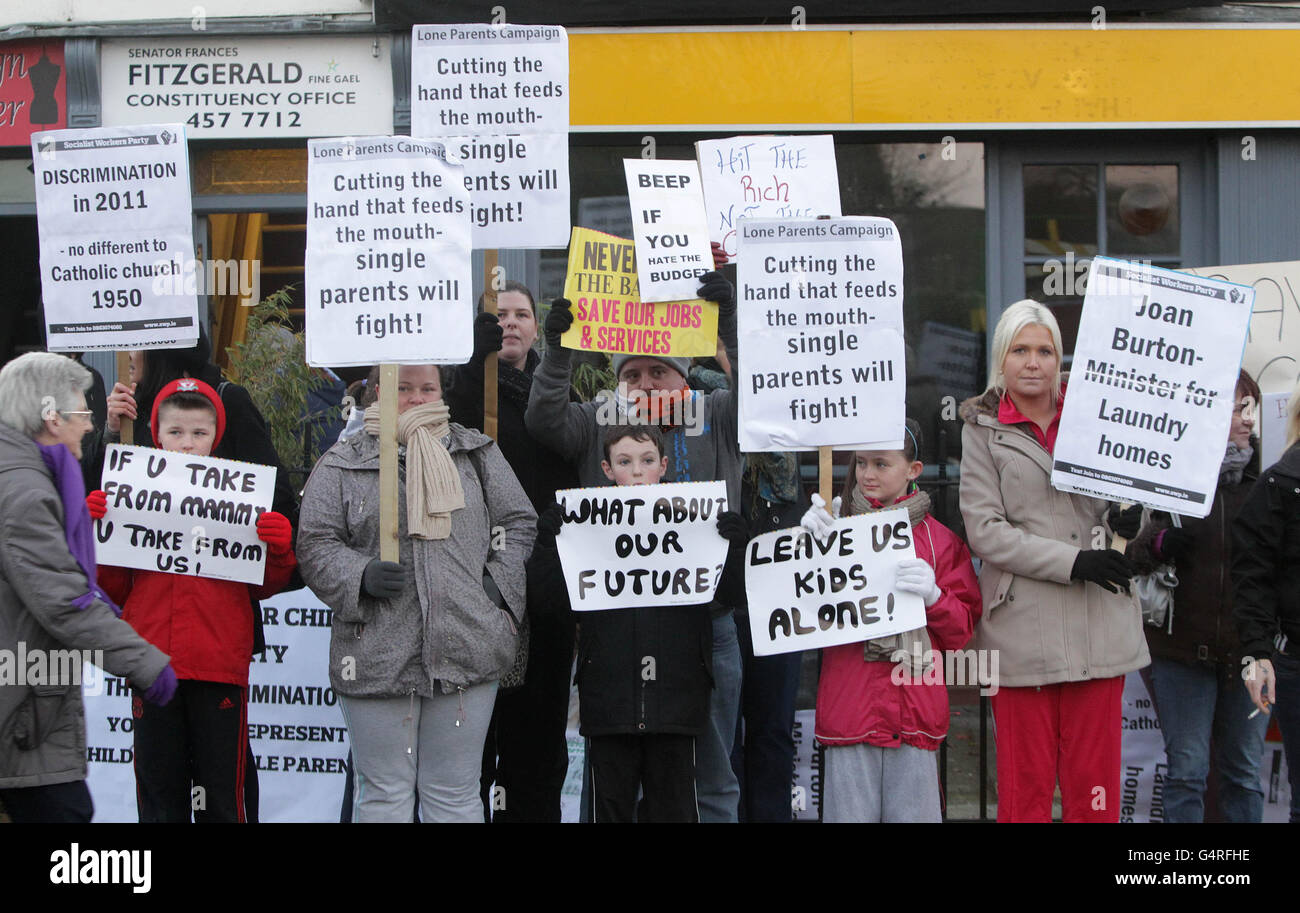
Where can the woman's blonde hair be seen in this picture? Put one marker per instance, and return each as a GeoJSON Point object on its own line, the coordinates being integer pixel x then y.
{"type": "Point", "coordinates": [1014, 319]}
{"type": "Point", "coordinates": [1293, 416]}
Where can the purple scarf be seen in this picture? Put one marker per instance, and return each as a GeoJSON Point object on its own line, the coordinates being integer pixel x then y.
{"type": "Point", "coordinates": [76, 519]}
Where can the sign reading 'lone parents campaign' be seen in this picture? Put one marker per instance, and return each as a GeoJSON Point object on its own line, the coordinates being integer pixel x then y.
{"type": "Point", "coordinates": [1150, 397]}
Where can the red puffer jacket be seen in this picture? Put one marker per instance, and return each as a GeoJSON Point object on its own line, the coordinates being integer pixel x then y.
{"type": "Point", "coordinates": [857, 702]}
{"type": "Point", "coordinates": [205, 625]}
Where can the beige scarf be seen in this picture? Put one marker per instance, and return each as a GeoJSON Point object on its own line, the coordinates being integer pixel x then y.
{"type": "Point", "coordinates": [914, 644]}
{"type": "Point", "coordinates": [432, 483]}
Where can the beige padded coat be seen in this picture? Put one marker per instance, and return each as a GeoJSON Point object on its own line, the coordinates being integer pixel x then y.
{"type": "Point", "coordinates": [1045, 627]}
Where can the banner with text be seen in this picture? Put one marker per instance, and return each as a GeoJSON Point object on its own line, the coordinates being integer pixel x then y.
{"type": "Point", "coordinates": [805, 595]}
{"type": "Point", "coordinates": [183, 514]}
{"type": "Point", "coordinates": [388, 255]}
{"type": "Point", "coordinates": [766, 177]}
{"type": "Point", "coordinates": [642, 545]}
{"type": "Point", "coordinates": [499, 96]}
{"type": "Point", "coordinates": [820, 319]}
{"type": "Point", "coordinates": [669, 227]}
{"type": "Point", "coordinates": [1150, 399]}
{"type": "Point", "coordinates": [115, 225]}
{"type": "Point", "coordinates": [609, 315]}
{"type": "Point", "coordinates": [295, 727]}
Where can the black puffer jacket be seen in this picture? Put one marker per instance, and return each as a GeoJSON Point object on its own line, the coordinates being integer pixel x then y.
{"type": "Point", "coordinates": [1266, 559]}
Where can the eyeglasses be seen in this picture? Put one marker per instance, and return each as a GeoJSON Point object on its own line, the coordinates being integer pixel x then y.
{"type": "Point", "coordinates": [85, 414]}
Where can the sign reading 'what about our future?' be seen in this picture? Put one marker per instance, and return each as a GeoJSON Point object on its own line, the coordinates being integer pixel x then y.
{"type": "Point", "coordinates": [642, 545]}
{"type": "Point", "coordinates": [1151, 393]}
{"type": "Point", "coordinates": [820, 319]}
{"type": "Point", "coordinates": [388, 255]}
{"type": "Point", "coordinates": [115, 226]}
{"type": "Point", "coordinates": [183, 514]}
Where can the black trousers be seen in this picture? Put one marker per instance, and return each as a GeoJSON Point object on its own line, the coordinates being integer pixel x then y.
{"type": "Point", "coordinates": [661, 765]}
{"type": "Point", "coordinates": [59, 803]}
{"type": "Point", "coordinates": [191, 757]}
{"type": "Point", "coordinates": [526, 753]}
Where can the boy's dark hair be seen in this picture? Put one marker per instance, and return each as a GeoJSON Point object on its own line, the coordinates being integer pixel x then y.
{"type": "Point", "coordinates": [616, 433]}
{"type": "Point", "coordinates": [189, 402]}
{"type": "Point", "coordinates": [512, 286]}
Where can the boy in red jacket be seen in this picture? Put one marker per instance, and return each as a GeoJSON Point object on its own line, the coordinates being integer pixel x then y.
{"type": "Point", "coordinates": [190, 755]}
{"type": "Point", "coordinates": [882, 705]}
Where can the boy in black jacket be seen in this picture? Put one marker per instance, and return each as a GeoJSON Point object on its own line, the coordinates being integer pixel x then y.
{"type": "Point", "coordinates": [644, 674]}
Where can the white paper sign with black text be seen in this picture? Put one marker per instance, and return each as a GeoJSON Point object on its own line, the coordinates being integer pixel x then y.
{"type": "Point", "coordinates": [388, 255]}
{"type": "Point", "coordinates": [669, 227]}
{"type": "Point", "coordinates": [805, 595]}
{"type": "Point", "coordinates": [183, 514]}
{"type": "Point", "coordinates": [642, 545]}
{"type": "Point", "coordinates": [116, 233]}
{"type": "Point", "coordinates": [1151, 390]}
{"type": "Point", "coordinates": [820, 318]}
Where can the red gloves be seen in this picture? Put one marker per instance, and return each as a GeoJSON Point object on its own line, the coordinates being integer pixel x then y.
{"type": "Point", "coordinates": [276, 531]}
{"type": "Point", "coordinates": [720, 258]}
{"type": "Point", "coordinates": [97, 504]}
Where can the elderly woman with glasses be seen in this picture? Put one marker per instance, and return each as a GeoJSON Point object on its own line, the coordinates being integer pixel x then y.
{"type": "Point", "coordinates": [50, 602]}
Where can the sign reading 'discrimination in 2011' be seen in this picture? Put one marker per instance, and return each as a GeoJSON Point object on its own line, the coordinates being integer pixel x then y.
{"type": "Point", "coordinates": [805, 595]}
{"type": "Point", "coordinates": [114, 220]}
{"type": "Point", "coordinates": [388, 257]}
{"type": "Point", "coordinates": [1151, 390]}
{"type": "Point", "coordinates": [821, 325]}
{"type": "Point", "coordinates": [183, 514]}
{"type": "Point", "coordinates": [642, 545]}
{"type": "Point", "coordinates": [499, 96]}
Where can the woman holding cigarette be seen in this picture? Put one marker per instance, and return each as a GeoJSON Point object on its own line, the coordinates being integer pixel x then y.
{"type": "Point", "coordinates": [1057, 607]}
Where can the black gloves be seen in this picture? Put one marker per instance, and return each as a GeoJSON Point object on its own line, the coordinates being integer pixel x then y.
{"type": "Point", "coordinates": [715, 287]}
{"type": "Point", "coordinates": [550, 520]}
{"type": "Point", "coordinates": [733, 528]}
{"type": "Point", "coordinates": [1174, 543]}
{"type": "Point", "coordinates": [384, 579]}
{"type": "Point", "coordinates": [1103, 566]}
{"type": "Point", "coordinates": [487, 337]}
{"type": "Point", "coordinates": [558, 321]}
{"type": "Point", "coordinates": [1125, 523]}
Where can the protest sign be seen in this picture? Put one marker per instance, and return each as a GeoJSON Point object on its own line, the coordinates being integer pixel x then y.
{"type": "Point", "coordinates": [1271, 428]}
{"type": "Point", "coordinates": [766, 177]}
{"type": "Point", "coordinates": [1272, 355]}
{"type": "Point", "coordinates": [609, 315]}
{"type": "Point", "coordinates": [1150, 396]}
{"type": "Point", "coordinates": [820, 319]}
{"type": "Point", "coordinates": [669, 227]}
{"type": "Point", "coordinates": [642, 545]}
{"type": "Point", "coordinates": [388, 256]}
{"type": "Point", "coordinates": [499, 97]}
{"type": "Point", "coordinates": [295, 726]}
{"type": "Point", "coordinates": [805, 594]}
{"type": "Point", "coordinates": [115, 226]}
{"type": "Point", "coordinates": [183, 514]}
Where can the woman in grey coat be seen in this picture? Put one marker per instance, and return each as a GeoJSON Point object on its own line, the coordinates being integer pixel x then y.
{"type": "Point", "coordinates": [52, 612]}
{"type": "Point", "coordinates": [418, 645]}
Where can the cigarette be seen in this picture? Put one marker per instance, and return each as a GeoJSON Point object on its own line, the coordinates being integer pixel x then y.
{"type": "Point", "coordinates": [1254, 713]}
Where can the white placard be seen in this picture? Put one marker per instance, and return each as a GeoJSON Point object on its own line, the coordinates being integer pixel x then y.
{"type": "Point", "coordinates": [240, 86]}
{"type": "Point", "coordinates": [820, 318]}
{"type": "Point", "coordinates": [295, 727]}
{"type": "Point", "coordinates": [1272, 428]}
{"type": "Point", "coordinates": [1150, 399]}
{"type": "Point", "coordinates": [518, 188]}
{"type": "Point", "coordinates": [642, 545]}
{"type": "Point", "coordinates": [183, 514]}
{"type": "Point", "coordinates": [489, 79]}
{"type": "Point", "coordinates": [669, 227]}
{"type": "Point", "coordinates": [388, 256]}
{"type": "Point", "coordinates": [766, 177]}
{"type": "Point", "coordinates": [116, 229]}
{"type": "Point", "coordinates": [805, 595]}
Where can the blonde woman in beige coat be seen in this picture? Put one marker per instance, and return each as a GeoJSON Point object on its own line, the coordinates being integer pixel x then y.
{"type": "Point", "coordinates": [1057, 606]}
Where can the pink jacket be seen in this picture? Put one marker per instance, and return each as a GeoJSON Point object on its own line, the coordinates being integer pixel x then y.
{"type": "Point", "coordinates": [857, 702]}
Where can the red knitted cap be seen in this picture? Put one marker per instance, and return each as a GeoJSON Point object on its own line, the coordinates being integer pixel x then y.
{"type": "Point", "coordinates": [189, 385]}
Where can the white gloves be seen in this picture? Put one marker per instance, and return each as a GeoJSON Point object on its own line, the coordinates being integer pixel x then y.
{"type": "Point", "coordinates": [817, 521]}
{"type": "Point", "coordinates": [916, 576]}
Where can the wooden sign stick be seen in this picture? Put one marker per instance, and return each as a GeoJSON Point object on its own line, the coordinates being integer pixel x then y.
{"type": "Point", "coordinates": [388, 505]}
{"type": "Point", "coordinates": [824, 483]}
{"type": "Point", "coordinates": [490, 365]}
{"type": "Point", "coordinates": [124, 377]}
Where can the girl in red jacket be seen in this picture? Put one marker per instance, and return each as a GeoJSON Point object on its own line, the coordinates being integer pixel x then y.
{"type": "Point", "coordinates": [882, 705]}
{"type": "Point", "coordinates": [190, 755]}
